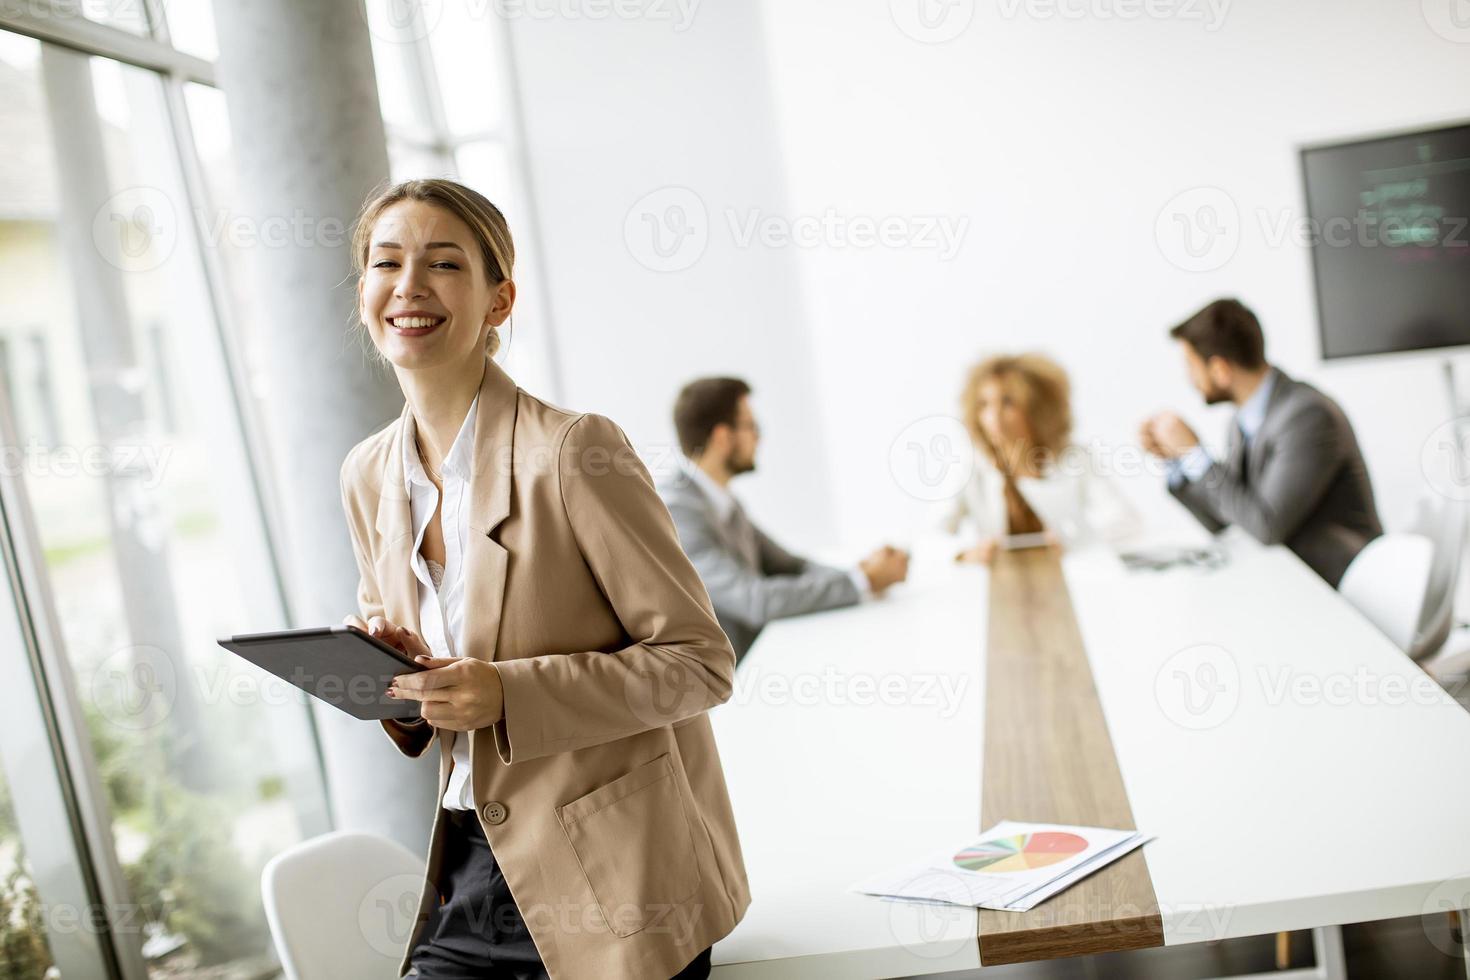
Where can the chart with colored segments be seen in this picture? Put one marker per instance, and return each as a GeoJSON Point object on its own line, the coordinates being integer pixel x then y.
{"type": "Point", "coordinates": [1020, 852]}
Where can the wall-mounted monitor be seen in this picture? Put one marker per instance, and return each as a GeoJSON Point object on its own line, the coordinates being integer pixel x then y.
{"type": "Point", "coordinates": [1389, 220]}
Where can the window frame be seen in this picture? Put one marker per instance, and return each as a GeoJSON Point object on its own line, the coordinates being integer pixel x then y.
{"type": "Point", "coordinates": [77, 872]}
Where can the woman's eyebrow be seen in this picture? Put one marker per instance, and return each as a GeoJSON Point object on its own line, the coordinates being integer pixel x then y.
{"type": "Point", "coordinates": [430, 245]}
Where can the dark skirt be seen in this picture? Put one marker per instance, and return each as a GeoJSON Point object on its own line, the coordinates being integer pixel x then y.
{"type": "Point", "coordinates": [476, 931]}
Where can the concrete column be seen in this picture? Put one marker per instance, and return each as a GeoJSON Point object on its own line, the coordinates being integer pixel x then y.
{"type": "Point", "coordinates": [309, 140]}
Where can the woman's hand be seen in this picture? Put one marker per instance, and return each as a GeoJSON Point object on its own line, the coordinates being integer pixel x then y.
{"type": "Point", "coordinates": [400, 638]}
{"type": "Point", "coordinates": [981, 554]}
{"type": "Point", "coordinates": [457, 693]}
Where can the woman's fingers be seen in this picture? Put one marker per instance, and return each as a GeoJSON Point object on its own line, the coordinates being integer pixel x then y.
{"type": "Point", "coordinates": [426, 685]}
{"type": "Point", "coordinates": [380, 629]}
{"type": "Point", "coordinates": [400, 638]}
{"type": "Point", "coordinates": [413, 644]}
{"type": "Point", "coordinates": [390, 634]}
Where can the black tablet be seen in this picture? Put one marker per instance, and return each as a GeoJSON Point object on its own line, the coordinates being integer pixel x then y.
{"type": "Point", "coordinates": [341, 665]}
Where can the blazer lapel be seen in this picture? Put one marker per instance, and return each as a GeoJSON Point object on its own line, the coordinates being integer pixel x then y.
{"type": "Point", "coordinates": [1235, 460]}
{"type": "Point", "coordinates": [490, 490]}
{"type": "Point", "coordinates": [1256, 457]}
{"type": "Point", "coordinates": [394, 525]}
{"type": "Point", "coordinates": [735, 532]}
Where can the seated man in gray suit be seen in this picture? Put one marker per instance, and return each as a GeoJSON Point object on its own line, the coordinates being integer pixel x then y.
{"type": "Point", "coordinates": [1293, 473]}
{"type": "Point", "coordinates": [750, 578]}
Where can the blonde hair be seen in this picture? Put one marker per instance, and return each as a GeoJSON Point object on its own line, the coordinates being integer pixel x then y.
{"type": "Point", "coordinates": [1045, 396]}
{"type": "Point", "coordinates": [485, 221]}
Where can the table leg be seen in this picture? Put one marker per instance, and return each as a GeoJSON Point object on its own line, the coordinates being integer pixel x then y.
{"type": "Point", "coordinates": [1465, 940]}
{"type": "Point", "coordinates": [1327, 945]}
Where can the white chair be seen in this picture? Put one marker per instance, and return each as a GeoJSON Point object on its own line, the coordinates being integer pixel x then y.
{"type": "Point", "coordinates": [1404, 583]}
{"type": "Point", "coordinates": [1387, 583]}
{"type": "Point", "coordinates": [342, 905]}
{"type": "Point", "coordinates": [1437, 617]}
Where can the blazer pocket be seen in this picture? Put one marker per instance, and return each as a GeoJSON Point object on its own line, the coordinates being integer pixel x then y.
{"type": "Point", "coordinates": [632, 839]}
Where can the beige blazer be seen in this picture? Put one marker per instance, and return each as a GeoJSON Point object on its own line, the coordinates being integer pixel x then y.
{"type": "Point", "coordinates": [600, 791]}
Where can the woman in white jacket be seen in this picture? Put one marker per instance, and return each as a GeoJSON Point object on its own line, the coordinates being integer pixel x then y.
{"type": "Point", "coordinates": [1030, 478]}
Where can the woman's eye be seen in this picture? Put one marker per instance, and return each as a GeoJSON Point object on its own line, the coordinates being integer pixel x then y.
{"type": "Point", "coordinates": [445, 265]}
{"type": "Point", "coordinates": [383, 263]}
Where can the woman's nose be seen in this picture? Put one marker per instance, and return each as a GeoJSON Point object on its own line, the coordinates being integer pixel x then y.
{"type": "Point", "coordinates": [410, 284]}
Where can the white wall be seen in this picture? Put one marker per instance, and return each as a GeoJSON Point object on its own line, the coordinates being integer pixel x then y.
{"type": "Point", "coordinates": [619, 108]}
{"type": "Point", "coordinates": [1059, 139]}
{"type": "Point", "coordinates": [1062, 139]}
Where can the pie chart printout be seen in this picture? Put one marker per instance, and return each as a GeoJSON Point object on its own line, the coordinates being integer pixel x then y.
{"type": "Point", "coordinates": [1020, 852]}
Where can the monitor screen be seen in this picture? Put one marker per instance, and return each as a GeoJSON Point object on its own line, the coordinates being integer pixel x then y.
{"type": "Point", "coordinates": [1387, 219]}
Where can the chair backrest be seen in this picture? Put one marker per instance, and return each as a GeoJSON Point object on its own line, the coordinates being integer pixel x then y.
{"type": "Point", "coordinates": [1387, 583]}
{"type": "Point", "coordinates": [1436, 617]}
{"type": "Point", "coordinates": [342, 905]}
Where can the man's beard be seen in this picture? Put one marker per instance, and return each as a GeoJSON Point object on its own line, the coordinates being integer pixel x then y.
{"type": "Point", "coordinates": [738, 466]}
{"type": "Point", "coordinates": [1215, 396]}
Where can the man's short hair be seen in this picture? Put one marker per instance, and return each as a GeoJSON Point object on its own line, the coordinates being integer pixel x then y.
{"type": "Point", "coordinates": [1226, 328]}
{"type": "Point", "coordinates": [703, 404]}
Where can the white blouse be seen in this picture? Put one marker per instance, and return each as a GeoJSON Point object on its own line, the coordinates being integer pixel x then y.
{"type": "Point", "coordinates": [441, 587]}
{"type": "Point", "coordinates": [1074, 498]}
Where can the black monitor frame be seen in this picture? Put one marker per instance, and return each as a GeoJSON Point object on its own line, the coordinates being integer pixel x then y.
{"type": "Point", "coordinates": [1431, 129]}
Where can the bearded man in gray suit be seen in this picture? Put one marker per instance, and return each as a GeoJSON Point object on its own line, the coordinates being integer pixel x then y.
{"type": "Point", "coordinates": [750, 578]}
{"type": "Point", "coordinates": [1293, 473]}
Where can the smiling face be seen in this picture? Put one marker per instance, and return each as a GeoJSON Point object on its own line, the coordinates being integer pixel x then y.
{"type": "Point", "coordinates": [425, 296]}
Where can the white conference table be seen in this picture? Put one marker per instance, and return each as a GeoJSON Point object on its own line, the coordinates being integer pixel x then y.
{"type": "Point", "coordinates": [1296, 769]}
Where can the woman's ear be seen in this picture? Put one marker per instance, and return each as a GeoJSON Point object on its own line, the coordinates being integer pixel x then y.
{"type": "Point", "coordinates": [503, 300]}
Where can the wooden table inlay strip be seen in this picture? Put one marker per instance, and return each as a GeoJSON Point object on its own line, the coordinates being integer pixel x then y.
{"type": "Point", "coordinates": [1049, 759]}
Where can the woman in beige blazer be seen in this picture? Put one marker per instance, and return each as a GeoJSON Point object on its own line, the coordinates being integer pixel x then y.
{"type": "Point", "coordinates": [520, 551]}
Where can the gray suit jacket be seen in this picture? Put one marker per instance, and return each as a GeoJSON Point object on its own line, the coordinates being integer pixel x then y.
{"type": "Point", "coordinates": [1302, 482]}
{"type": "Point", "coordinates": [751, 579]}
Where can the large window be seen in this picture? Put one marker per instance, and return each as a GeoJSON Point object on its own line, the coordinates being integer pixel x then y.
{"type": "Point", "coordinates": [447, 91]}
{"type": "Point", "coordinates": [24, 952]}
{"type": "Point", "coordinates": [176, 774]}
{"type": "Point", "coordinates": [145, 778]}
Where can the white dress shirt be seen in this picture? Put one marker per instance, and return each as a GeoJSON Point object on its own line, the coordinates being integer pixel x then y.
{"type": "Point", "coordinates": [441, 589]}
